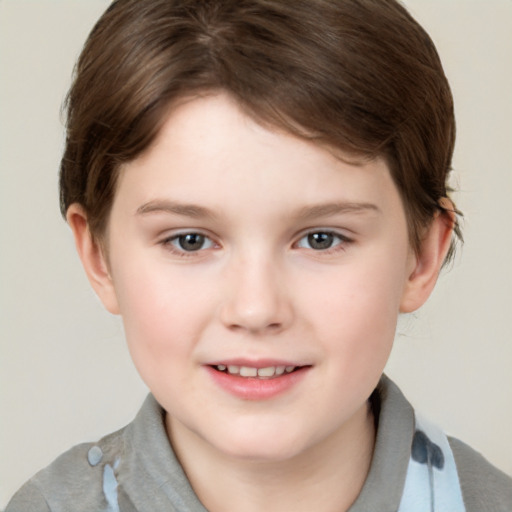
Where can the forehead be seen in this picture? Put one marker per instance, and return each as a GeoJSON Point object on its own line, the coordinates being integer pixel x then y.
{"type": "Point", "coordinates": [209, 150]}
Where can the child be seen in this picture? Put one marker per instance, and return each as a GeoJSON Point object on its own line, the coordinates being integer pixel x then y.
{"type": "Point", "coordinates": [258, 187]}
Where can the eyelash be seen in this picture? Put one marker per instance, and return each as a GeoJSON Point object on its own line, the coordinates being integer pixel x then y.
{"type": "Point", "coordinates": [168, 244]}
{"type": "Point", "coordinates": [341, 242]}
{"type": "Point", "coordinates": [340, 245]}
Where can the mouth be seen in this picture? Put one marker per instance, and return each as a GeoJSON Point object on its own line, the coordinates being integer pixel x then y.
{"type": "Point", "coordinates": [269, 372]}
{"type": "Point", "coordinates": [257, 381]}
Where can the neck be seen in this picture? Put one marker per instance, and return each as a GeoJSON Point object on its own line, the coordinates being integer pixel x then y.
{"type": "Point", "coordinates": [327, 477]}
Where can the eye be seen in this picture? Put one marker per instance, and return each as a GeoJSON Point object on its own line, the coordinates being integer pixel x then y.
{"type": "Point", "coordinates": [321, 240]}
{"type": "Point", "coordinates": [190, 242]}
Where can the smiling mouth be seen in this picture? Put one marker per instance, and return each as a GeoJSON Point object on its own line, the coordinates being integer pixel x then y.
{"type": "Point", "coordinates": [270, 372]}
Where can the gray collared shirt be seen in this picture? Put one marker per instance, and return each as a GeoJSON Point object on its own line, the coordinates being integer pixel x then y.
{"type": "Point", "coordinates": [135, 470]}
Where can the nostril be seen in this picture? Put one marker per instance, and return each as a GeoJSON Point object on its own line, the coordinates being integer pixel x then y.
{"type": "Point", "coordinates": [253, 313]}
{"type": "Point", "coordinates": [273, 327]}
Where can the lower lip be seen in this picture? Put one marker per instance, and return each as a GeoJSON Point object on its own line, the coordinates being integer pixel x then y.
{"type": "Point", "coordinates": [253, 388]}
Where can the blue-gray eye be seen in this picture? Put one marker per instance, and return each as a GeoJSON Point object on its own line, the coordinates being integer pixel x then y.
{"type": "Point", "coordinates": [191, 242]}
{"type": "Point", "coordinates": [320, 240]}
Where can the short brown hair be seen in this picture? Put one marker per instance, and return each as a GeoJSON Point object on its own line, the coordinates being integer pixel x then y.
{"type": "Point", "coordinates": [358, 75]}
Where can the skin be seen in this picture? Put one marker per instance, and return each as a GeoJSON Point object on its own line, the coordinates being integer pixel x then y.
{"type": "Point", "coordinates": [258, 286]}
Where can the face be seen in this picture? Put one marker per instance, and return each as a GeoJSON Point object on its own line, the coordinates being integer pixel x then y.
{"type": "Point", "coordinates": [259, 278]}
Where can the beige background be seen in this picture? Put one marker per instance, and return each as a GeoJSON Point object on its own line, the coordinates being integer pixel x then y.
{"type": "Point", "coordinates": [65, 374]}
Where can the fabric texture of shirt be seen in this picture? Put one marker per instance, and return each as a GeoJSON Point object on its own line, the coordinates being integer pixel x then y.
{"type": "Point", "coordinates": [136, 470]}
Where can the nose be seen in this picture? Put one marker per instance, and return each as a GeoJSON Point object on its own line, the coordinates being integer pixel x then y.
{"type": "Point", "coordinates": [256, 299]}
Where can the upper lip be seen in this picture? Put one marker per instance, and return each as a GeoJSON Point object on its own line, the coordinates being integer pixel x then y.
{"type": "Point", "coordinates": [255, 363]}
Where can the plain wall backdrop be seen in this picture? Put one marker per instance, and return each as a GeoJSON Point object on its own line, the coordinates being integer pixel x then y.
{"type": "Point", "coordinates": [65, 375]}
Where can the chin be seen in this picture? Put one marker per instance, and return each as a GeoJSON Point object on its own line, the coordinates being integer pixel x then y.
{"type": "Point", "coordinates": [262, 447]}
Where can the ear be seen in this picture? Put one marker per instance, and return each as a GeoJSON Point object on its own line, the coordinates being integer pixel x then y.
{"type": "Point", "coordinates": [93, 258]}
{"type": "Point", "coordinates": [426, 264]}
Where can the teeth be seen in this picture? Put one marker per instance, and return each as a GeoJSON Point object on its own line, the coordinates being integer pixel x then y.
{"type": "Point", "coordinates": [267, 372]}
{"type": "Point", "coordinates": [247, 371]}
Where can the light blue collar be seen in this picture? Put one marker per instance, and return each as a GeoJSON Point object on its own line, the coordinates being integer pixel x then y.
{"type": "Point", "coordinates": [432, 482]}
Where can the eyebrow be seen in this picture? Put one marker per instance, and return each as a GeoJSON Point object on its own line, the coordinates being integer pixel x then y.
{"type": "Point", "coordinates": [329, 209]}
{"type": "Point", "coordinates": [166, 206]}
{"type": "Point", "coordinates": [304, 214]}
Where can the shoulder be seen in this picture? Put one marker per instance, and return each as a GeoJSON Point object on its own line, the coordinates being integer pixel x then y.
{"type": "Point", "coordinates": [133, 469]}
{"type": "Point", "coordinates": [484, 487]}
{"type": "Point", "coordinates": [28, 499]}
{"type": "Point", "coordinates": [76, 480]}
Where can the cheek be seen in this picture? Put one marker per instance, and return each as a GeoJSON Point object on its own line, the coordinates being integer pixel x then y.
{"type": "Point", "coordinates": [358, 290]}
{"type": "Point", "coordinates": [163, 312]}
{"type": "Point", "coordinates": [356, 309]}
